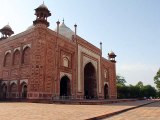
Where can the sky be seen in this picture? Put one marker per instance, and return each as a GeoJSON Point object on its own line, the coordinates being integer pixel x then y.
{"type": "Point", "coordinates": [130, 28]}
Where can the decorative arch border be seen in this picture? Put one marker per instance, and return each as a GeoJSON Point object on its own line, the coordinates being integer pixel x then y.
{"type": "Point", "coordinates": [81, 51]}
{"type": "Point", "coordinates": [27, 45]}
{"type": "Point", "coordinates": [13, 81]}
{"type": "Point", "coordinates": [24, 81]}
{"type": "Point", "coordinates": [87, 60]}
{"type": "Point", "coordinates": [106, 83]}
{"type": "Point", "coordinates": [4, 82]}
{"type": "Point", "coordinates": [65, 56]}
{"type": "Point", "coordinates": [62, 74]}
{"type": "Point", "coordinates": [18, 48]}
{"type": "Point", "coordinates": [8, 51]}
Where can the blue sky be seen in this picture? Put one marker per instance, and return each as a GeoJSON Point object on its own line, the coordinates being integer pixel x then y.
{"type": "Point", "coordinates": [131, 28]}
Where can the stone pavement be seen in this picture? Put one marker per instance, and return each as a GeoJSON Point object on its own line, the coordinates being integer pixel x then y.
{"type": "Point", "coordinates": [148, 112]}
{"type": "Point", "coordinates": [38, 111]}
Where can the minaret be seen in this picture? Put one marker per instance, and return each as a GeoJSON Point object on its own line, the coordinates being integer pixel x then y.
{"type": "Point", "coordinates": [100, 46]}
{"type": "Point", "coordinates": [75, 30]}
{"type": "Point", "coordinates": [112, 56]}
{"type": "Point", "coordinates": [6, 32]}
{"type": "Point", "coordinates": [42, 14]}
{"type": "Point", "coordinates": [58, 26]}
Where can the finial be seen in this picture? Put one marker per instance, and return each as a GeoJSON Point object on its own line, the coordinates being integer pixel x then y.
{"type": "Point", "coordinates": [75, 25]}
{"type": "Point", "coordinates": [63, 20]}
{"type": "Point", "coordinates": [75, 33]}
{"type": "Point", "coordinates": [43, 2]}
{"type": "Point", "coordinates": [58, 22]}
{"type": "Point", "coordinates": [100, 46]}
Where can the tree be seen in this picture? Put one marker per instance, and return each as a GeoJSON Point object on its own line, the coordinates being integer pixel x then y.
{"type": "Point", "coordinates": [134, 91]}
{"type": "Point", "coordinates": [149, 91]}
{"type": "Point", "coordinates": [140, 84]}
{"type": "Point", "coordinates": [157, 80]}
{"type": "Point", "coordinates": [122, 91]}
{"type": "Point", "coordinates": [120, 80]}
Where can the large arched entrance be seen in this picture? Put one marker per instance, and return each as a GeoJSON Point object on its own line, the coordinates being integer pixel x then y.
{"type": "Point", "coordinates": [106, 91]}
{"type": "Point", "coordinates": [65, 87]}
{"type": "Point", "coordinates": [90, 83]}
{"type": "Point", "coordinates": [4, 91]}
{"type": "Point", "coordinates": [24, 90]}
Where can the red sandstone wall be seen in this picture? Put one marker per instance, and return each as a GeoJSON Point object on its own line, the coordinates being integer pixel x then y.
{"type": "Point", "coordinates": [19, 71]}
{"type": "Point", "coordinates": [46, 64]}
{"type": "Point", "coordinates": [111, 77]}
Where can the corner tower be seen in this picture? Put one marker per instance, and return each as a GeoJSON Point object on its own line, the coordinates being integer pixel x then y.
{"type": "Point", "coordinates": [42, 14]}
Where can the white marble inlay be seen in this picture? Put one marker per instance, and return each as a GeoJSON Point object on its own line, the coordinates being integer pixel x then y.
{"type": "Point", "coordinates": [4, 82]}
{"type": "Point", "coordinates": [13, 81]}
{"type": "Point", "coordinates": [62, 74]}
{"type": "Point", "coordinates": [81, 50]}
{"type": "Point", "coordinates": [18, 48]}
{"type": "Point", "coordinates": [27, 45]}
{"type": "Point", "coordinates": [24, 80]}
{"type": "Point", "coordinates": [8, 51]}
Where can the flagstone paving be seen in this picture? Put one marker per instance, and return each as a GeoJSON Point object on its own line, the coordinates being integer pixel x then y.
{"type": "Point", "coordinates": [148, 112]}
{"type": "Point", "coordinates": [39, 111]}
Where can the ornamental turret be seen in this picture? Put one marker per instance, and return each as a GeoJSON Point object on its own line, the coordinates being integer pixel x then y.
{"type": "Point", "coordinates": [6, 32]}
{"type": "Point", "coordinates": [42, 14]}
{"type": "Point", "coordinates": [112, 56]}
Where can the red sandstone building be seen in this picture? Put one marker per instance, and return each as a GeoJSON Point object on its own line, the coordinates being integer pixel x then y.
{"type": "Point", "coordinates": [41, 63]}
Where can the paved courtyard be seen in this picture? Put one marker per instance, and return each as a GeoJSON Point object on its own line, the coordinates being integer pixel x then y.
{"type": "Point", "coordinates": [148, 112]}
{"type": "Point", "coordinates": [38, 111]}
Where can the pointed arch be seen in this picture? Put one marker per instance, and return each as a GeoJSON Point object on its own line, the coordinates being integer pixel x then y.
{"type": "Point", "coordinates": [90, 82]}
{"type": "Point", "coordinates": [7, 59]}
{"type": "Point", "coordinates": [16, 57]}
{"type": "Point", "coordinates": [4, 91]}
{"type": "Point", "coordinates": [24, 90]}
{"type": "Point", "coordinates": [106, 92]}
{"type": "Point", "coordinates": [106, 75]}
{"type": "Point", "coordinates": [26, 55]}
{"type": "Point", "coordinates": [65, 86]}
{"type": "Point", "coordinates": [13, 87]}
{"type": "Point", "coordinates": [65, 62]}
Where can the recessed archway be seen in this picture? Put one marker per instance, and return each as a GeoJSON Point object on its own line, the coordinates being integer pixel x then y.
{"type": "Point", "coordinates": [106, 95]}
{"type": "Point", "coordinates": [24, 90]}
{"type": "Point", "coordinates": [13, 90]}
{"type": "Point", "coordinates": [90, 83]}
{"type": "Point", "coordinates": [4, 91]}
{"type": "Point", "coordinates": [65, 87]}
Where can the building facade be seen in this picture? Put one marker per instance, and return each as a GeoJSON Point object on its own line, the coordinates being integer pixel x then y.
{"type": "Point", "coordinates": [41, 63]}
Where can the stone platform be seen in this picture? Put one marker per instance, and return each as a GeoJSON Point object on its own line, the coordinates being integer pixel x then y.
{"type": "Point", "coordinates": [72, 101]}
{"type": "Point", "coordinates": [91, 102]}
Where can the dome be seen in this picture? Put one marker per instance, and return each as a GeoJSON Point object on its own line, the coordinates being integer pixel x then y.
{"type": "Point", "coordinates": [6, 31]}
{"type": "Point", "coordinates": [43, 6]}
{"type": "Point", "coordinates": [111, 53]}
{"type": "Point", "coordinates": [65, 31]}
{"type": "Point", "coordinates": [7, 27]}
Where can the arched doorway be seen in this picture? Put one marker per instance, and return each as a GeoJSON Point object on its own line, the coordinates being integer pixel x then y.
{"type": "Point", "coordinates": [13, 90]}
{"type": "Point", "coordinates": [106, 91]}
{"type": "Point", "coordinates": [4, 91]}
{"type": "Point", "coordinates": [65, 88]}
{"type": "Point", "coordinates": [90, 83]}
{"type": "Point", "coordinates": [24, 90]}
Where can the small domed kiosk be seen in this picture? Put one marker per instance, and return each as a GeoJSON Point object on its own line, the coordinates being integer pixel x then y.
{"type": "Point", "coordinates": [6, 32]}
